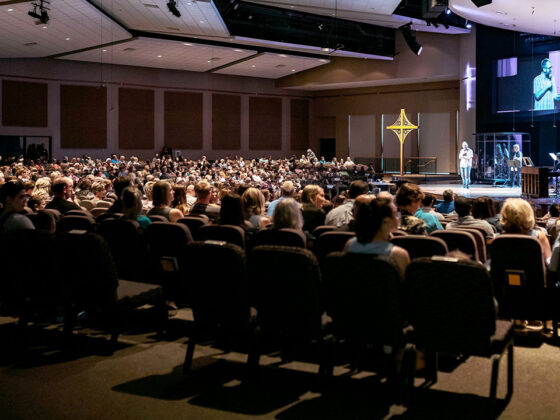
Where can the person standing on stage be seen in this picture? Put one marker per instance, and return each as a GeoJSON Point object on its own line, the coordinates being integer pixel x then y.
{"type": "Point", "coordinates": [465, 163]}
{"type": "Point", "coordinates": [516, 172]}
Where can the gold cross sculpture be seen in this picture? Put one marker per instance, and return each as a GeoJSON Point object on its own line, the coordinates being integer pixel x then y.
{"type": "Point", "coordinates": [402, 128]}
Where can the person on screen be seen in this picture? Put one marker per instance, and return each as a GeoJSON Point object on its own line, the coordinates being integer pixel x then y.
{"type": "Point", "coordinates": [544, 88]}
{"type": "Point", "coordinates": [465, 163]}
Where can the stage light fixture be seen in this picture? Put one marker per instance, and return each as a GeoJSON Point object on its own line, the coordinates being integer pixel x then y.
{"type": "Point", "coordinates": [480, 3]}
{"type": "Point", "coordinates": [468, 25]}
{"type": "Point", "coordinates": [410, 38]}
{"type": "Point", "coordinates": [172, 6]}
{"type": "Point", "coordinates": [39, 12]}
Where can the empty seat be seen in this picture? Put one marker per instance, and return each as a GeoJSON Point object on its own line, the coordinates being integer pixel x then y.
{"type": "Point", "coordinates": [480, 240]}
{"type": "Point", "coordinates": [319, 230]}
{"type": "Point", "coordinates": [194, 223]}
{"type": "Point", "coordinates": [68, 223]}
{"type": "Point", "coordinates": [421, 246]}
{"type": "Point", "coordinates": [450, 305]}
{"type": "Point", "coordinates": [285, 237]}
{"type": "Point", "coordinates": [458, 239]}
{"type": "Point", "coordinates": [331, 242]}
{"type": "Point", "coordinates": [227, 233]}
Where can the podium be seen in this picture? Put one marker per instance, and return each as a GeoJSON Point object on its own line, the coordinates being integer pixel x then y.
{"type": "Point", "coordinates": [534, 181]}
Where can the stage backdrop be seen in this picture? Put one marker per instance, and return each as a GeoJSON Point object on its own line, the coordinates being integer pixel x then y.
{"type": "Point", "coordinates": [434, 136]}
{"type": "Point", "coordinates": [362, 138]}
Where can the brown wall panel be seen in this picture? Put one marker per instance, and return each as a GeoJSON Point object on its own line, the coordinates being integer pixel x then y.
{"type": "Point", "coordinates": [136, 118]}
{"type": "Point", "coordinates": [265, 123]}
{"type": "Point", "coordinates": [24, 104]}
{"type": "Point", "coordinates": [226, 122]}
{"type": "Point", "coordinates": [83, 117]}
{"type": "Point", "coordinates": [299, 124]}
{"type": "Point", "coordinates": [183, 120]}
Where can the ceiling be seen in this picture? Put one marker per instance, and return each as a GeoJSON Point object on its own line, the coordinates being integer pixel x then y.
{"type": "Point", "coordinates": [534, 16]}
{"type": "Point", "coordinates": [269, 39]}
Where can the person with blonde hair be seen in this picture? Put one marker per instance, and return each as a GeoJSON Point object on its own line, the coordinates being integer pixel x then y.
{"type": "Point", "coordinates": [252, 201]}
{"type": "Point", "coordinates": [517, 216]}
{"type": "Point", "coordinates": [312, 198]}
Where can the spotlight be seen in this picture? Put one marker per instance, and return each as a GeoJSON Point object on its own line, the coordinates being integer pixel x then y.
{"type": "Point", "coordinates": [448, 11]}
{"type": "Point", "coordinates": [39, 12]}
{"type": "Point", "coordinates": [410, 38]}
{"type": "Point", "coordinates": [172, 6]}
{"type": "Point", "coordinates": [468, 25]}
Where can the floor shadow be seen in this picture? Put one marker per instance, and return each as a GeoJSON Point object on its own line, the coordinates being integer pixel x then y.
{"type": "Point", "coordinates": [432, 404]}
{"type": "Point", "coordinates": [344, 399]}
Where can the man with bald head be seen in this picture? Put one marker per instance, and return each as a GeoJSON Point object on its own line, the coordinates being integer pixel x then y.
{"type": "Point", "coordinates": [62, 192]}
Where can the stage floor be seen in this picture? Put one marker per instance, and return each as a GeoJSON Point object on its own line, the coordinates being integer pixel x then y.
{"type": "Point", "coordinates": [474, 191]}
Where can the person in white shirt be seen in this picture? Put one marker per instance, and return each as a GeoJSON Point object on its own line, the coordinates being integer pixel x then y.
{"type": "Point", "coordinates": [465, 163]}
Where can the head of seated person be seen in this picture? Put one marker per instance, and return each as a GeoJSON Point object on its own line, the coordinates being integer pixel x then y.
{"type": "Point", "coordinates": [375, 220]}
{"type": "Point", "coordinates": [45, 221]}
{"type": "Point", "coordinates": [408, 198]}
{"type": "Point", "coordinates": [313, 196]}
{"type": "Point", "coordinates": [482, 208]}
{"type": "Point", "coordinates": [231, 211]}
{"type": "Point", "coordinates": [203, 191]}
{"type": "Point", "coordinates": [462, 206]}
{"type": "Point", "coordinates": [517, 216]}
{"type": "Point", "coordinates": [287, 215]}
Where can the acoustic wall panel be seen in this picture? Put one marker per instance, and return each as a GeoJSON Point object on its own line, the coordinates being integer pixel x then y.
{"type": "Point", "coordinates": [83, 117]}
{"type": "Point", "coordinates": [136, 118]}
{"type": "Point", "coordinates": [265, 123]}
{"type": "Point", "coordinates": [226, 122]}
{"type": "Point", "coordinates": [362, 139]}
{"type": "Point", "coordinates": [183, 120]}
{"type": "Point", "coordinates": [299, 124]}
{"type": "Point", "coordinates": [24, 104]}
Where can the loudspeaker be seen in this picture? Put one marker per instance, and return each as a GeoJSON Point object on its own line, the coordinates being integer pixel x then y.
{"type": "Point", "coordinates": [480, 3]}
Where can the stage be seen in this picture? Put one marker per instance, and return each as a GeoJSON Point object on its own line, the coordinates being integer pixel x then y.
{"type": "Point", "coordinates": [476, 190]}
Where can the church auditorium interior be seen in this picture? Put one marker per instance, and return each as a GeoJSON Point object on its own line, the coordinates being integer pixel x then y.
{"type": "Point", "coordinates": [277, 209]}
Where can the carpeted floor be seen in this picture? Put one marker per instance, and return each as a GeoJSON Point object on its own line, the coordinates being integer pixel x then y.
{"type": "Point", "coordinates": [143, 380]}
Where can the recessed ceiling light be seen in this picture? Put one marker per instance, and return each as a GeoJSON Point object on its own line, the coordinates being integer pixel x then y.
{"type": "Point", "coordinates": [104, 50]}
{"type": "Point", "coordinates": [209, 61]}
{"type": "Point", "coordinates": [282, 55]}
{"type": "Point", "coordinates": [253, 65]}
{"type": "Point", "coordinates": [190, 3]}
{"type": "Point", "coordinates": [238, 50]}
{"type": "Point", "coordinates": [10, 10]}
{"type": "Point", "coordinates": [292, 7]}
{"type": "Point", "coordinates": [322, 60]}
{"type": "Point", "coordinates": [293, 69]}
{"type": "Point", "coordinates": [187, 44]}
{"type": "Point", "coordinates": [67, 39]}
{"type": "Point", "coordinates": [159, 56]}
{"type": "Point", "coordinates": [201, 21]}
{"type": "Point", "coordinates": [326, 49]}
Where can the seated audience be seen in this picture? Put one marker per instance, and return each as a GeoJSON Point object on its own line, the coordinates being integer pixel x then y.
{"type": "Point", "coordinates": [463, 209]}
{"type": "Point", "coordinates": [313, 198]}
{"type": "Point", "coordinates": [447, 206]}
{"type": "Point", "coordinates": [342, 214]}
{"type": "Point", "coordinates": [119, 184]}
{"type": "Point", "coordinates": [252, 202]}
{"type": "Point", "coordinates": [132, 207]}
{"type": "Point", "coordinates": [231, 211]}
{"type": "Point", "coordinates": [552, 220]}
{"type": "Point", "coordinates": [428, 206]}
{"type": "Point", "coordinates": [427, 214]}
{"type": "Point", "coordinates": [517, 216]}
{"type": "Point", "coordinates": [13, 199]}
{"type": "Point", "coordinates": [62, 193]}
{"type": "Point", "coordinates": [180, 198]}
{"type": "Point", "coordinates": [375, 221]}
{"type": "Point", "coordinates": [483, 209]}
{"type": "Point", "coordinates": [287, 190]}
{"type": "Point", "coordinates": [287, 215]}
{"type": "Point", "coordinates": [203, 191]}
{"type": "Point", "coordinates": [162, 197]}
{"type": "Point", "coordinates": [408, 199]}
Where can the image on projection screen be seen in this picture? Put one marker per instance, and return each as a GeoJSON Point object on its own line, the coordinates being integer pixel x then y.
{"type": "Point", "coordinates": [527, 85]}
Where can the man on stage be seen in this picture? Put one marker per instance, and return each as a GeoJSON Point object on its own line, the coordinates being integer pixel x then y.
{"type": "Point", "coordinates": [516, 171]}
{"type": "Point", "coordinates": [544, 88]}
{"type": "Point", "coordinates": [465, 163]}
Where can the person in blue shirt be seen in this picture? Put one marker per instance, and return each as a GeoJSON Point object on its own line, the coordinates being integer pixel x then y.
{"type": "Point", "coordinates": [448, 206]}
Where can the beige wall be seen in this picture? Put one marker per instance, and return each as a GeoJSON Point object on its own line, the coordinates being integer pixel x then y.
{"type": "Point", "coordinates": [438, 97]}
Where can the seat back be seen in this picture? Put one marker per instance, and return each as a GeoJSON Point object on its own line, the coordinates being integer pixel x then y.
{"type": "Point", "coordinates": [68, 223]}
{"type": "Point", "coordinates": [88, 269]}
{"type": "Point", "coordinates": [449, 303]}
{"type": "Point", "coordinates": [97, 211]}
{"type": "Point", "coordinates": [518, 274]}
{"type": "Point", "coordinates": [362, 297]}
{"type": "Point", "coordinates": [458, 239]}
{"type": "Point", "coordinates": [103, 204]}
{"type": "Point", "coordinates": [331, 242]}
{"type": "Point", "coordinates": [398, 233]}
{"type": "Point", "coordinates": [421, 246]}
{"type": "Point", "coordinates": [284, 237]}
{"type": "Point", "coordinates": [87, 204]}
{"type": "Point", "coordinates": [56, 213]}
{"type": "Point", "coordinates": [284, 288]}
{"type": "Point", "coordinates": [158, 218]}
{"type": "Point", "coordinates": [319, 230]}
{"type": "Point", "coordinates": [227, 233]}
{"type": "Point", "coordinates": [77, 213]}
{"type": "Point", "coordinates": [194, 223]}
{"type": "Point", "coordinates": [219, 298]}
{"type": "Point", "coordinates": [128, 247]}
{"type": "Point", "coordinates": [480, 240]}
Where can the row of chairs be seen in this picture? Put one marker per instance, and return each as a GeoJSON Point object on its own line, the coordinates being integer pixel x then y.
{"type": "Point", "coordinates": [362, 294]}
